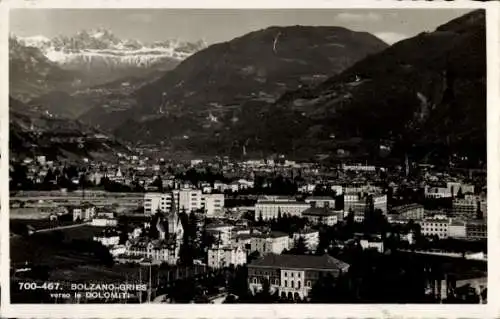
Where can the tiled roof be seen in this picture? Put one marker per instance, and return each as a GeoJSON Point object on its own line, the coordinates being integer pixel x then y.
{"type": "Point", "coordinates": [300, 262]}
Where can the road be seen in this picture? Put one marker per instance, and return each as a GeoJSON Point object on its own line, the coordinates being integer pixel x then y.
{"type": "Point", "coordinates": [445, 254]}
{"type": "Point", "coordinates": [61, 227]}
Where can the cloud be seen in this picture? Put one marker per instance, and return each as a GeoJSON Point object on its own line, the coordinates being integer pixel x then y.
{"type": "Point", "coordinates": [358, 17]}
{"type": "Point", "coordinates": [391, 37]}
{"type": "Point", "coordinates": [139, 17]}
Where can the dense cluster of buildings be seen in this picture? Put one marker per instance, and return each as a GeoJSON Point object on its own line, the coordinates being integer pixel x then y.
{"type": "Point", "coordinates": [353, 191]}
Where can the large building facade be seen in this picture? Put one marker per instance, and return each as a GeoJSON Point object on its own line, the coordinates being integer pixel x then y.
{"type": "Point", "coordinates": [186, 200]}
{"type": "Point", "coordinates": [293, 276]}
{"type": "Point", "coordinates": [272, 209]}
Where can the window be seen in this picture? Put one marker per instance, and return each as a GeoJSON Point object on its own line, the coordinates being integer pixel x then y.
{"type": "Point", "coordinates": [298, 275]}
{"type": "Point", "coordinates": [285, 273]}
{"type": "Point", "coordinates": [255, 280]}
{"type": "Point", "coordinates": [292, 284]}
{"type": "Point", "coordinates": [308, 283]}
{"type": "Point", "coordinates": [286, 284]}
{"type": "Point", "coordinates": [276, 282]}
{"type": "Point", "coordinates": [292, 274]}
{"type": "Point", "coordinates": [298, 285]}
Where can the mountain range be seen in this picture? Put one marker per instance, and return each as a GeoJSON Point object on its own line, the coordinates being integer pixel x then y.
{"type": "Point", "coordinates": [305, 91]}
{"type": "Point", "coordinates": [210, 91]}
{"type": "Point", "coordinates": [90, 58]}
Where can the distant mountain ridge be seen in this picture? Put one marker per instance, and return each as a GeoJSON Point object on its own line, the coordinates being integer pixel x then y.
{"type": "Point", "coordinates": [40, 65]}
{"type": "Point", "coordinates": [424, 96]}
{"type": "Point", "coordinates": [91, 49]}
{"type": "Point", "coordinates": [207, 92]}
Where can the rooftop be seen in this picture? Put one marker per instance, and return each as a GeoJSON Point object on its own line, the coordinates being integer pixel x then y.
{"type": "Point", "coordinates": [320, 198]}
{"type": "Point", "coordinates": [318, 211]}
{"type": "Point", "coordinates": [300, 262]}
{"type": "Point", "coordinates": [282, 203]}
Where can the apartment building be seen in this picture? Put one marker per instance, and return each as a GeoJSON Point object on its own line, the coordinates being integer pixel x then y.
{"type": "Point", "coordinates": [213, 204]}
{"type": "Point", "coordinates": [187, 200]}
{"type": "Point", "coordinates": [437, 225]}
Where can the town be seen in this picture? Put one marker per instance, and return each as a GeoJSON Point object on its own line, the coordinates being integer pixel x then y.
{"type": "Point", "coordinates": [271, 230]}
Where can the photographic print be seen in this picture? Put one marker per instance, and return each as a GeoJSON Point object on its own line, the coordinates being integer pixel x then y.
{"type": "Point", "coordinates": [248, 156]}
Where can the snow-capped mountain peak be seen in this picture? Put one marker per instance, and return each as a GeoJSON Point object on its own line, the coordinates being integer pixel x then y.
{"type": "Point", "coordinates": [99, 47]}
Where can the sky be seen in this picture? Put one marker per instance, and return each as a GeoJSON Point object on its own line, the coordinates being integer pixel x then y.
{"type": "Point", "coordinates": [216, 25]}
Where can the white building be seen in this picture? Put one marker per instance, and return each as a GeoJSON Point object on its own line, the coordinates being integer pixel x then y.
{"type": "Point", "coordinates": [213, 204]}
{"type": "Point", "coordinates": [188, 199]}
{"type": "Point", "coordinates": [155, 201]}
{"type": "Point", "coordinates": [104, 222]}
{"type": "Point", "coordinates": [226, 256]}
{"type": "Point", "coordinates": [437, 225]}
{"type": "Point", "coordinates": [185, 200]}
{"type": "Point", "coordinates": [274, 242]}
{"type": "Point", "coordinates": [359, 168]}
{"type": "Point", "coordinates": [457, 229]}
{"type": "Point", "coordinates": [272, 209]}
{"type": "Point", "coordinates": [84, 212]}
{"type": "Point", "coordinates": [158, 251]}
{"type": "Point", "coordinates": [108, 241]}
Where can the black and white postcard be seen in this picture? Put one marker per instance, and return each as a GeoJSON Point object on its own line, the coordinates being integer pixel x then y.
{"type": "Point", "coordinates": [250, 159]}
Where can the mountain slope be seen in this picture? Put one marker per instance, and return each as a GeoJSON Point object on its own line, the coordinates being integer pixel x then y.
{"type": "Point", "coordinates": [32, 74]}
{"type": "Point", "coordinates": [32, 132]}
{"type": "Point", "coordinates": [425, 95]}
{"type": "Point", "coordinates": [207, 91]}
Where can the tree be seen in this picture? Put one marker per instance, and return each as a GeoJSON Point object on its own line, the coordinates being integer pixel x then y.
{"type": "Point", "coordinates": [253, 256]}
{"type": "Point", "coordinates": [261, 219]}
{"type": "Point", "coordinates": [299, 247]}
{"type": "Point", "coordinates": [323, 290]}
{"type": "Point", "coordinates": [158, 183]}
